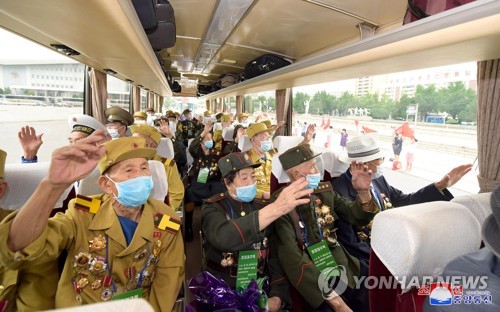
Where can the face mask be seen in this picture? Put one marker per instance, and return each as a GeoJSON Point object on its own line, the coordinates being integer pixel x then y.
{"type": "Point", "coordinates": [173, 127]}
{"type": "Point", "coordinates": [133, 192]}
{"type": "Point", "coordinates": [313, 180]}
{"type": "Point", "coordinates": [140, 122]}
{"type": "Point", "coordinates": [246, 193]}
{"type": "Point", "coordinates": [377, 174]}
{"type": "Point", "coordinates": [265, 146]}
{"type": "Point", "coordinates": [114, 133]}
{"type": "Point", "coordinates": [209, 144]}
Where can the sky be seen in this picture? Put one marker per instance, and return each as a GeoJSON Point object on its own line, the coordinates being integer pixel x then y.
{"type": "Point", "coordinates": [17, 50]}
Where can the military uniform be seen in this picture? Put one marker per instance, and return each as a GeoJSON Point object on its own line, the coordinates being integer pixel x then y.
{"type": "Point", "coordinates": [263, 173]}
{"type": "Point", "coordinates": [185, 130]}
{"type": "Point", "coordinates": [324, 209]}
{"type": "Point", "coordinates": [231, 147]}
{"type": "Point", "coordinates": [99, 264]}
{"type": "Point", "coordinates": [175, 186]}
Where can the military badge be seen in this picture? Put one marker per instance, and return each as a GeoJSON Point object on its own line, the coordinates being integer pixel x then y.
{"type": "Point", "coordinates": [387, 202]}
{"type": "Point", "coordinates": [82, 259]}
{"type": "Point", "coordinates": [82, 282]}
{"type": "Point", "coordinates": [96, 284]}
{"type": "Point", "coordinates": [98, 266]}
{"type": "Point", "coordinates": [106, 294]}
{"type": "Point", "coordinates": [141, 254]}
{"type": "Point", "coordinates": [97, 243]}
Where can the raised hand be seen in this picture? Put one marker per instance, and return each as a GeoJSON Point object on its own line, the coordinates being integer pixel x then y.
{"type": "Point", "coordinates": [311, 129]}
{"type": "Point", "coordinates": [165, 128]}
{"type": "Point", "coordinates": [293, 196]}
{"type": "Point", "coordinates": [74, 162]}
{"type": "Point", "coordinates": [453, 176]}
{"type": "Point", "coordinates": [30, 142]}
{"type": "Point", "coordinates": [208, 128]}
{"type": "Point", "coordinates": [361, 176]}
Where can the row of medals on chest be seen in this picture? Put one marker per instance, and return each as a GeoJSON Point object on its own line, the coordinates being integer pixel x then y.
{"type": "Point", "coordinates": [227, 257]}
{"type": "Point", "coordinates": [97, 266]}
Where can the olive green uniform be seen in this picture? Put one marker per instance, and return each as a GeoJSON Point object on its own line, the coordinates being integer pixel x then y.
{"type": "Point", "coordinates": [230, 226]}
{"type": "Point", "coordinates": [292, 252]}
{"type": "Point", "coordinates": [263, 173]}
{"type": "Point", "coordinates": [154, 257]}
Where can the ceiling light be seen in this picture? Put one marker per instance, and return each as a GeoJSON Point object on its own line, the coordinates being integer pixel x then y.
{"type": "Point", "coordinates": [65, 49]}
{"type": "Point", "coordinates": [109, 71]}
{"type": "Point", "coordinates": [229, 61]}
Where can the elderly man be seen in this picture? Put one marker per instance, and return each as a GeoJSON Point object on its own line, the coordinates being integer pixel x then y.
{"type": "Point", "coordinates": [307, 240]}
{"type": "Point", "coordinates": [262, 152]}
{"type": "Point", "coordinates": [365, 149]}
{"type": "Point", "coordinates": [118, 120]}
{"type": "Point", "coordinates": [32, 287]}
{"type": "Point", "coordinates": [121, 244]}
{"type": "Point", "coordinates": [140, 118]}
{"type": "Point", "coordinates": [175, 186]}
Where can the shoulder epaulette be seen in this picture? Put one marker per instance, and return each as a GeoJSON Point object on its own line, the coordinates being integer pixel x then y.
{"type": "Point", "coordinates": [323, 187]}
{"type": "Point", "coordinates": [167, 223]}
{"type": "Point", "coordinates": [168, 162]}
{"type": "Point", "coordinates": [216, 198]}
{"type": "Point", "coordinates": [88, 204]}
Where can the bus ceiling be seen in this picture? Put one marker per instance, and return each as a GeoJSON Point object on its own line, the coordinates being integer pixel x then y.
{"type": "Point", "coordinates": [215, 37]}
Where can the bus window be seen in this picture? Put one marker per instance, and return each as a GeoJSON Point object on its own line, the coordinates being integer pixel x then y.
{"type": "Point", "coordinates": [118, 93]}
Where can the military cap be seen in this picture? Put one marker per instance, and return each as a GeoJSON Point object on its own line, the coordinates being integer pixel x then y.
{"type": "Point", "coordinates": [84, 123]}
{"type": "Point", "coordinates": [141, 115]}
{"type": "Point", "coordinates": [3, 157]}
{"type": "Point", "coordinates": [297, 155]}
{"type": "Point", "coordinates": [177, 115]}
{"type": "Point", "coordinates": [147, 130]}
{"type": "Point", "coordinates": [267, 122]}
{"type": "Point", "coordinates": [218, 116]}
{"type": "Point", "coordinates": [186, 111]}
{"type": "Point", "coordinates": [150, 109]}
{"type": "Point", "coordinates": [256, 128]}
{"type": "Point", "coordinates": [207, 113]}
{"type": "Point", "coordinates": [171, 115]}
{"type": "Point", "coordinates": [123, 149]}
{"type": "Point", "coordinates": [116, 113]}
{"type": "Point", "coordinates": [235, 162]}
{"type": "Point", "coordinates": [242, 115]}
{"type": "Point", "coordinates": [226, 118]}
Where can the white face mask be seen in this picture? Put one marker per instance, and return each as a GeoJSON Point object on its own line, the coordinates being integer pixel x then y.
{"type": "Point", "coordinates": [377, 174]}
{"type": "Point", "coordinates": [173, 127]}
{"type": "Point", "coordinates": [140, 122]}
{"type": "Point", "coordinates": [114, 133]}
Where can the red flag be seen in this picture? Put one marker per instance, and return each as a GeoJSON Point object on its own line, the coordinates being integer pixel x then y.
{"type": "Point", "coordinates": [368, 130]}
{"type": "Point", "coordinates": [356, 122]}
{"type": "Point", "coordinates": [322, 122]}
{"type": "Point", "coordinates": [406, 131]}
{"type": "Point", "coordinates": [327, 124]}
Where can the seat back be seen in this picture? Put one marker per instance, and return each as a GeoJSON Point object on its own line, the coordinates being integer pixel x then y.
{"type": "Point", "coordinates": [332, 164]}
{"type": "Point", "coordinates": [165, 148]}
{"type": "Point", "coordinates": [135, 304]}
{"type": "Point", "coordinates": [22, 180]}
{"type": "Point", "coordinates": [419, 240]}
{"type": "Point", "coordinates": [244, 143]}
{"type": "Point", "coordinates": [188, 154]}
{"type": "Point", "coordinates": [227, 134]}
{"type": "Point", "coordinates": [89, 185]}
{"type": "Point", "coordinates": [282, 143]}
{"type": "Point", "coordinates": [160, 184]}
{"type": "Point", "coordinates": [478, 204]}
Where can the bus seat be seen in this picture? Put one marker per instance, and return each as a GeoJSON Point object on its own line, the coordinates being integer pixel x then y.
{"type": "Point", "coordinates": [244, 143]}
{"type": "Point", "coordinates": [282, 143]}
{"type": "Point", "coordinates": [22, 180]}
{"type": "Point", "coordinates": [478, 204]}
{"type": "Point", "coordinates": [160, 185]}
{"type": "Point", "coordinates": [417, 241]}
{"type": "Point", "coordinates": [88, 185]}
{"type": "Point", "coordinates": [135, 304]}
{"type": "Point", "coordinates": [217, 126]}
{"type": "Point", "coordinates": [227, 134]}
{"type": "Point", "coordinates": [165, 148]}
{"type": "Point", "coordinates": [333, 166]}
{"type": "Point", "coordinates": [190, 159]}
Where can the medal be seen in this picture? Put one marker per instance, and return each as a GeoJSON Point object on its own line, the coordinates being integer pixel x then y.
{"type": "Point", "coordinates": [157, 248]}
{"type": "Point", "coordinates": [141, 254]}
{"type": "Point", "coordinates": [97, 243]}
{"type": "Point", "coordinates": [82, 282]}
{"type": "Point", "coordinates": [82, 259]}
{"type": "Point", "coordinates": [79, 299]}
{"type": "Point", "coordinates": [98, 266]}
{"type": "Point", "coordinates": [131, 284]}
{"type": "Point", "coordinates": [152, 260]}
{"type": "Point", "coordinates": [106, 294]}
{"type": "Point", "coordinates": [96, 284]}
{"type": "Point", "coordinates": [106, 281]}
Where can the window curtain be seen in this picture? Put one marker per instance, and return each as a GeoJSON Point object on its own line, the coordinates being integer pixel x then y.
{"type": "Point", "coordinates": [161, 99]}
{"type": "Point", "coordinates": [239, 104]}
{"type": "Point", "coordinates": [98, 85]}
{"type": "Point", "coordinates": [283, 98]}
{"type": "Point", "coordinates": [136, 99]}
{"type": "Point", "coordinates": [488, 134]}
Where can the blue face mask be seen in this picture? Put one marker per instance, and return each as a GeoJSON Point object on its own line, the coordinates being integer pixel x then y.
{"type": "Point", "coordinates": [134, 192]}
{"type": "Point", "coordinates": [209, 144]}
{"type": "Point", "coordinates": [265, 146]}
{"type": "Point", "coordinates": [313, 180]}
{"type": "Point", "coordinates": [246, 193]}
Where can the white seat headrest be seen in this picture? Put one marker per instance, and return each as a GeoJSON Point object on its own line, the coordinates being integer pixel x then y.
{"type": "Point", "coordinates": [478, 204]}
{"type": "Point", "coordinates": [420, 240]}
{"type": "Point", "coordinates": [165, 148]}
{"type": "Point", "coordinates": [160, 184]}
{"type": "Point", "coordinates": [190, 159]}
{"type": "Point", "coordinates": [136, 304]}
{"type": "Point", "coordinates": [283, 143]}
{"type": "Point", "coordinates": [89, 185]}
{"type": "Point", "coordinates": [22, 180]}
{"type": "Point", "coordinates": [227, 134]}
{"type": "Point", "coordinates": [244, 143]}
{"type": "Point", "coordinates": [217, 126]}
{"type": "Point", "coordinates": [280, 174]}
{"type": "Point", "coordinates": [332, 163]}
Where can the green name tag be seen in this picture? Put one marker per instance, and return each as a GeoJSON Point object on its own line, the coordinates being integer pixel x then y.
{"type": "Point", "coordinates": [247, 268]}
{"type": "Point", "coordinates": [203, 175]}
{"type": "Point", "coordinates": [136, 293]}
{"type": "Point", "coordinates": [321, 256]}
